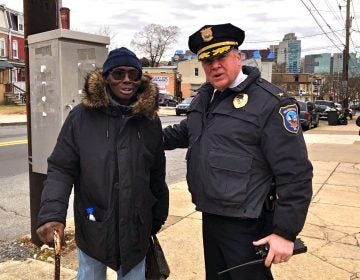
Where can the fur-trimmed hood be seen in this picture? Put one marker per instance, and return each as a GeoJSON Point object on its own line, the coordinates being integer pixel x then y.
{"type": "Point", "coordinates": [96, 95]}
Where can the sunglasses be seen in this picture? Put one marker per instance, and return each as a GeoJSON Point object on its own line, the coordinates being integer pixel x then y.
{"type": "Point", "coordinates": [120, 74]}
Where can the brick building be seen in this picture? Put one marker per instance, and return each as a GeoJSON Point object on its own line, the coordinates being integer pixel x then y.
{"type": "Point", "coordinates": [12, 52]}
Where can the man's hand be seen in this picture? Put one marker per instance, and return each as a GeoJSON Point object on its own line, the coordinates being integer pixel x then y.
{"type": "Point", "coordinates": [46, 231]}
{"type": "Point", "coordinates": [280, 249]}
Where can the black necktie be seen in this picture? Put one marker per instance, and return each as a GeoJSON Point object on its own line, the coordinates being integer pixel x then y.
{"type": "Point", "coordinates": [215, 99]}
{"type": "Point", "coordinates": [214, 96]}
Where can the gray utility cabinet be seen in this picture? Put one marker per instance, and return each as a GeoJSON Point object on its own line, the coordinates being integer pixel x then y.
{"type": "Point", "coordinates": [59, 61]}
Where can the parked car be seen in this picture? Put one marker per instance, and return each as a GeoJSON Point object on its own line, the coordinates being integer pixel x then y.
{"type": "Point", "coordinates": [183, 106]}
{"type": "Point", "coordinates": [308, 116]}
{"type": "Point", "coordinates": [323, 106]}
{"type": "Point", "coordinates": [348, 112]}
{"type": "Point", "coordinates": [166, 99]}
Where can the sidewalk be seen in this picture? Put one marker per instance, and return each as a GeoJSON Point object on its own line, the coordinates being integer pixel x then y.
{"type": "Point", "coordinates": [331, 232]}
{"type": "Point", "coordinates": [13, 119]}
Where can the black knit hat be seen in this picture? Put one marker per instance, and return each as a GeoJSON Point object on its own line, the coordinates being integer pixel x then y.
{"type": "Point", "coordinates": [213, 40]}
{"type": "Point", "coordinates": [121, 57]}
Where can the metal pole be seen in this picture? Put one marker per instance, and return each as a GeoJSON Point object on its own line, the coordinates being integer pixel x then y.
{"type": "Point", "coordinates": [346, 56]}
{"type": "Point", "coordinates": [35, 179]}
{"type": "Point", "coordinates": [33, 10]}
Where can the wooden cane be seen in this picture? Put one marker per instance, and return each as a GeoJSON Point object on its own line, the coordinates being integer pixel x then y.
{"type": "Point", "coordinates": [57, 247]}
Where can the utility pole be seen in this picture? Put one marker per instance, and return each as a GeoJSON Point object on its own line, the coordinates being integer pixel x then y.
{"type": "Point", "coordinates": [39, 16]}
{"type": "Point", "coordinates": [346, 57]}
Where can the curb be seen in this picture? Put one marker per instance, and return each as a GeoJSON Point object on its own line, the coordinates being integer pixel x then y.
{"type": "Point", "coordinates": [13, 123]}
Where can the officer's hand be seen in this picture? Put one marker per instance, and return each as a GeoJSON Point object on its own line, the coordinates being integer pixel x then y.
{"type": "Point", "coordinates": [46, 231]}
{"type": "Point", "coordinates": [280, 249]}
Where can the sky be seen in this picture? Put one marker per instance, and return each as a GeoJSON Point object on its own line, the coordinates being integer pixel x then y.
{"type": "Point", "coordinates": [320, 24]}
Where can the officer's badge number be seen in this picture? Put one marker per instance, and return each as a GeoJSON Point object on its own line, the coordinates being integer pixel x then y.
{"type": "Point", "coordinates": [290, 118]}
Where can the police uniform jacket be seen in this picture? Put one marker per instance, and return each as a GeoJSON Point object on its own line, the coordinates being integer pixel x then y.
{"type": "Point", "coordinates": [114, 157]}
{"type": "Point", "coordinates": [235, 153]}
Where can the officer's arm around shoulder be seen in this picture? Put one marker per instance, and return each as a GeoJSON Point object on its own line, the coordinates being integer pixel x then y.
{"type": "Point", "coordinates": [176, 136]}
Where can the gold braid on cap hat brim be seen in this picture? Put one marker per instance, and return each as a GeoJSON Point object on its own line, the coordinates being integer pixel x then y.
{"type": "Point", "coordinates": [220, 44]}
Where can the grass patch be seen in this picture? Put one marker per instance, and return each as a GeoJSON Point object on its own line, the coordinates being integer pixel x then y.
{"type": "Point", "coordinates": [12, 109]}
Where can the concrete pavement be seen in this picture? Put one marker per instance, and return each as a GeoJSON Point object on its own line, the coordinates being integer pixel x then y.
{"type": "Point", "coordinates": [331, 232]}
{"type": "Point", "coordinates": [12, 119]}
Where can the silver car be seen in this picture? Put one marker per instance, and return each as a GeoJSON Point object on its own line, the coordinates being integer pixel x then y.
{"type": "Point", "coordinates": [183, 106]}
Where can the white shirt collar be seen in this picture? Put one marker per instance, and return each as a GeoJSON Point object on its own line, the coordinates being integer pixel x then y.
{"type": "Point", "coordinates": [239, 79]}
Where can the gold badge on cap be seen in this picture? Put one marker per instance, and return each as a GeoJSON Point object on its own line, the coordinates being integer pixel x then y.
{"type": "Point", "coordinates": [240, 100]}
{"type": "Point", "coordinates": [206, 34]}
{"type": "Point", "coordinates": [280, 94]}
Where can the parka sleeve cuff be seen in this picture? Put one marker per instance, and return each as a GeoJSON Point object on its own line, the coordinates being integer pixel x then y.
{"type": "Point", "coordinates": [43, 222]}
{"type": "Point", "coordinates": [285, 234]}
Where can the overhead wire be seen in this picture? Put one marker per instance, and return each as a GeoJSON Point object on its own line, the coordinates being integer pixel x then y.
{"type": "Point", "coordinates": [333, 12]}
{"type": "Point", "coordinates": [332, 32]}
{"type": "Point", "coordinates": [299, 37]}
{"type": "Point", "coordinates": [357, 25]}
{"type": "Point", "coordinates": [318, 23]}
{"type": "Point", "coordinates": [340, 11]}
{"type": "Point", "coordinates": [353, 11]}
{"type": "Point", "coordinates": [327, 24]}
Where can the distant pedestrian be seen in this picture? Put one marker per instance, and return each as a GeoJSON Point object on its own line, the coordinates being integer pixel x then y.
{"type": "Point", "coordinates": [358, 122]}
{"type": "Point", "coordinates": [243, 136]}
{"type": "Point", "coordinates": [111, 149]}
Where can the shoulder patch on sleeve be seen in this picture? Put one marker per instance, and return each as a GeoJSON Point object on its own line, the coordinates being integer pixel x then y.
{"type": "Point", "coordinates": [290, 117]}
{"type": "Point", "coordinates": [273, 89]}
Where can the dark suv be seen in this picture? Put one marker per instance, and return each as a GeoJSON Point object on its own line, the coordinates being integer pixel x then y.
{"type": "Point", "coordinates": [323, 106]}
{"type": "Point", "coordinates": [183, 106]}
{"type": "Point", "coordinates": [167, 100]}
{"type": "Point", "coordinates": [308, 116]}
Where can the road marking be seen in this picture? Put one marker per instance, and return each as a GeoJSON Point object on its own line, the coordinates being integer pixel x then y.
{"type": "Point", "coordinates": [12, 143]}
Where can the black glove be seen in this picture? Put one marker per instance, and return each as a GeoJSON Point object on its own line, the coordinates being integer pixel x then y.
{"type": "Point", "coordinates": [155, 228]}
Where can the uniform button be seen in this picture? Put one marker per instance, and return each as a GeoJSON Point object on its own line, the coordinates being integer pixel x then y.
{"type": "Point", "coordinates": [260, 80]}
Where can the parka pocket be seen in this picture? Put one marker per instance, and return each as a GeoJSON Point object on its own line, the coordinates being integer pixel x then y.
{"type": "Point", "coordinates": [228, 177]}
{"type": "Point", "coordinates": [102, 239]}
{"type": "Point", "coordinates": [98, 238]}
{"type": "Point", "coordinates": [143, 223]}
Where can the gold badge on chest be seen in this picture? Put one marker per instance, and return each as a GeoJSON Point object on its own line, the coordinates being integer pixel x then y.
{"type": "Point", "coordinates": [240, 100]}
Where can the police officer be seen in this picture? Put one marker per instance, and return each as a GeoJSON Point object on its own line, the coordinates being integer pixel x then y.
{"type": "Point", "coordinates": [242, 134]}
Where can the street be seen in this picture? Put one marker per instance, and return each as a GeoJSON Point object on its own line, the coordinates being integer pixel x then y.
{"type": "Point", "coordinates": [13, 157]}
{"type": "Point", "coordinates": [14, 178]}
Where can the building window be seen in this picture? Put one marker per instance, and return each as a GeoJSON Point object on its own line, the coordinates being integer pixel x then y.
{"type": "Point", "coordinates": [2, 47]}
{"type": "Point", "coordinates": [196, 72]}
{"type": "Point", "coordinates": [12, 20]}
{"type": "Point", "coordinates": [13, 75]}
{"type": "Point", "coordinates": [22, 74]}
{"type": "Point", "coordinates": [21, 23]}
{"type": "Point", "coordinates": [15, 49]}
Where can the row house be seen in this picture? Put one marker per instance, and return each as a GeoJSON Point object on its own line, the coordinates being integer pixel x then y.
{"type": "Point", "coordinates": [167, 79]}
{"type": "Point", "coordinates": [12, 53]}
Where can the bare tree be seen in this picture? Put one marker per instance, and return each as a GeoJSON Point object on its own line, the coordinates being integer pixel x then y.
{"type": "Point", "coordinates": [145, 62]}
{"type": "Point", "coordinates": [106, 31]}
{"type": "Point", "coordinates": [154, 40]}
{"type": "Point", "coordinates": [354, 89]}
